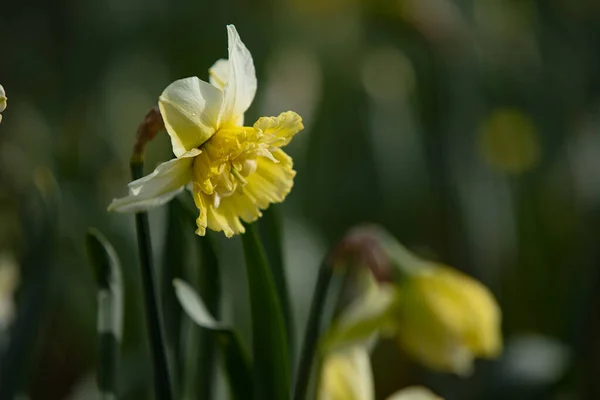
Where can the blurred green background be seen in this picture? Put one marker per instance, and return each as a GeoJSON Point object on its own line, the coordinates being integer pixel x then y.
{"type": "Point", "coordinates": [468, 128]}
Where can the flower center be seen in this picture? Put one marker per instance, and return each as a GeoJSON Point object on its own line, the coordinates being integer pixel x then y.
{"type": "Point", "coordinates": [227, 159]}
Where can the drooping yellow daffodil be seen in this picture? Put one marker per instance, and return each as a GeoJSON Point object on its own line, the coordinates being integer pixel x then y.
{"type": "Point", "coordinates": [441, 317]}
{"type": "Point", "coordinates": [233, 171]}
{"type": "Point", "coordinates": [3, 99]}
{"type": "Point", "coordinates": [445, 319]}
{"type": "Point", "coordinates": [347, 375]}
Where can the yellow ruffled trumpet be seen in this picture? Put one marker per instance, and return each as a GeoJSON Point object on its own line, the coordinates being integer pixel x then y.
{"type": "Point", "coordinates": [232, 170]}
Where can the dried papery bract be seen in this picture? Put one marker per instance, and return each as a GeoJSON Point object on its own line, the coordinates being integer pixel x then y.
{"type": "Point", "coordinates": [146, 132]}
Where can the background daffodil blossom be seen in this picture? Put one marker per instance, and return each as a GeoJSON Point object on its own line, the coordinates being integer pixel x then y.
{"type": "Point", "coordinates": [3, 99]}
{"type": "Point", "coordinates": [233, 171]}
{"type": "Point", "coordinates": [440, 316]}
{"type": "Point", "coordinates": [347, 375]}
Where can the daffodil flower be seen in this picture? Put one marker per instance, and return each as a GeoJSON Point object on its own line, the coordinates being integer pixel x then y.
{"type": "Point", "coordinates": [445, 319]}
{"type": "Point", "coordinates": [3, 99]}
{"type": "Point", "coordinates": [439, 316]}
{"type": "Point", "coordinates": [347, 375]}
{"type": "Point", "coordinates": [233, 171]}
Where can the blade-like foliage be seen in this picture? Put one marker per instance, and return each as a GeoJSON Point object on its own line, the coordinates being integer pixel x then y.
{"type": "Point", "coordinates": [236, 361]}
{"type": "Point", "coordinates": [107, 268]}
{"type": "Point", "coordinates": [271, 234]}
{"type": "Point", "coordinates": [269, 338]}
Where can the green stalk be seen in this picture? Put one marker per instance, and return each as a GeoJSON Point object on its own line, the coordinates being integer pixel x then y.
{"type": "Point", "coordinates": [162, 379]}
{"type": "Point", "coordinates": [311, 335]}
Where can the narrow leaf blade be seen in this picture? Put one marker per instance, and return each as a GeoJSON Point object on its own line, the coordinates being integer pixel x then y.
{"type": "Point", "coordinates": [269, 337]}
{"type": "Point", "coordinates": [107, 266]}
{"type": "Point", "coordinates": [194, 307]}
{"type": "Point", "coordinates": [236, 361]}
{"type": "Point", "coordinates": [271, 233]}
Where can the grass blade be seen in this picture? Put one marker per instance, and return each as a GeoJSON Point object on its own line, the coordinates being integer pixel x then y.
{"type": "Point", "coordinates": [236, 362]}
{"type": "Point", "coordinates": [271, 233]}
{"type": "Point", "coordinates": [271, 362]}
{"type": "Point", "coordinates": [325, 298]}
{"type": "Point", "coordinates": [110, 310]}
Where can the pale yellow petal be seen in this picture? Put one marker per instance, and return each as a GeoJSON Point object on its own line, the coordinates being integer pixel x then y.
{"type": "Point", "coordinates": [226, 217]}
{"type": "Point", "coordinates": [347, 375]}
{"type": "Point", "coordinates": [414, 393]}
{"type": "Point", "coordinates": [271, 182]}
{"type": "Point", "coordinates": [218, 74]}
{"type": "Point", "coordinates": [280, 130]}
{"type": "Point", "coordinates": [157, 188]}
{"type": "Point", "coordinates": [481, 330]}
{"type": "Point", "coordinates": [241, 86]}
{"type": "Point", "coordinates": [190, 109]}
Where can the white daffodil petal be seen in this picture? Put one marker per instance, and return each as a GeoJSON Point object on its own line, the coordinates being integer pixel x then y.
{"type": "Point", "coordinates": [190, 109]}
{"type": "Point", "coordinates": [156, 189]}
{"type": "Point", "coordinates": [241, 85]}
{"type": "Point", "coordinates": [218, 74]}
{"type": "Point", "coordinates": [414, 393]}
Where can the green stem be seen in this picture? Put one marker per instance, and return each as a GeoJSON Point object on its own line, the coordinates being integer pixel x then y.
{"type": "Point", "coordinates": [162, 380]}
{"type": "Point", "coordinates": [313, 329]}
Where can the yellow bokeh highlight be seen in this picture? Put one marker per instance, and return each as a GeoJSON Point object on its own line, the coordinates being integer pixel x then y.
{"type": "Point", "coordinates": [509, 141]}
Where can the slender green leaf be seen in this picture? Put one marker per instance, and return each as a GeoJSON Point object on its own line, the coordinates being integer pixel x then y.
{"type": "Point", "coordinates": [195, 308]}
{"type": "Point", "coordinates": [269, 338]}
{"type": "Point", "coordinates": [325, 298]}
{"type": "Point", "coordinates": [271, 233]}
{"type": "Point", "coordinates": [236, 360]}
{"type": "Point", "coordinates": [107, 267]}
